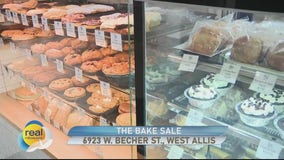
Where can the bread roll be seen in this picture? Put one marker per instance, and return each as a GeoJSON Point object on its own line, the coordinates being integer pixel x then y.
{"type": "Point", "coordinates": [275, 58]}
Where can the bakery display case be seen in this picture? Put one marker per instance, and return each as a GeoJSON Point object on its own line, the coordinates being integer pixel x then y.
{"type": "Point", "coordinates": [69, 63]}
{"type": "Point", "coordinates": [209, 64]}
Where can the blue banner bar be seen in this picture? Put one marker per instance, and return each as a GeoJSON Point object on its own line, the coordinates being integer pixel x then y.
{"type": "Point", "coordinates": [148, 131]}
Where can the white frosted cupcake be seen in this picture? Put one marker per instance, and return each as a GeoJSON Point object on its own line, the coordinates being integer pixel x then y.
{"type": "Point", "coordinates": [220, 86]}
{"type": "Point", "coordinates": [276, 98]}
{"type": "Point", "coordinates": [201, 96]}
{"type": "Point", "coordinates": [255, 112]}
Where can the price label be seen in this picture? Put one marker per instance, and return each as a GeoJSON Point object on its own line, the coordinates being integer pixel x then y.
{"type": "Point", "coordinates": [100, 38]}
{"type": "Point", "coordinates": [70, 28]}
{"type": "Point", "coordinates": [59, 66]}
{"type": "Point", "coordinates": [46, 95]}
{"type": "Point", "coordinates": [45, 23]}
{"type": "Point", "coordinates": [13, 47]}
{"type": "Point", "coordinates": [35, 21]}
{"type": "Point", "coordinates": [37, 113]}
{"type": "Point", "coordinates": [188, 63]}
{"type": "Point", "coordinates": [56, 125]}
{"type": "Point", "coordinates": [43, 60]}
{"type": "Point", "coordinates": [229, 72]}
{"type": "Point", "coordinates": [79, 74]}
{"type": "Point", "coordinates": [30, 107]}
{"type": "Point", "coordinates": [16, 17]}
{"type": "Point", "coordinates": [58, 28]}
{"type": "Point", "coordinates": [105, 89]}
{"type": "Point", "coordinates": [9, 15]}
{"type": "Point", "coordinates": [24, 20]}
{"type": "Point", "coordinates": [1, 42]}
{"type": "Point", "coordinates": [194, 118]}
{"type": "Point", "coordinates": [32, 87]}
{"type": "Point", "coordinates": [10, 73]}
{"type": "Point", "coordinates": [263, 83]}
{"type": "Point", "coordinates": [28, 53]}
{"type": "Point", "coordinates": [2, 18]}
{"type": "Point", "coordinates": [82, 33]}
{"type": "Point", "coordinates": [103, 122]}
{"type": "Point", "coordinates": [116, 41]}
{"type": "Point", "coordinates": [268, 150]}
{"type": "Point", "coordinates": [81, 111]}
{"type": "Point", "coordinates": [175, 152]}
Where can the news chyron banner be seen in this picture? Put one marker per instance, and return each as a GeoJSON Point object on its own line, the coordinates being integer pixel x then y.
{"type": "Point", "coordinates": [110, 135]}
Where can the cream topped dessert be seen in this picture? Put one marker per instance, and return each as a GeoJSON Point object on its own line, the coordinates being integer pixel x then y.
{"type": "Point", "coordinates": [211, 81]}
{"type": "Point", "coordinates": [276, 97]}
{"type": "Point", "coordinates": [256, 107]}
{"type": "Point", "coordinates": [202, 92]}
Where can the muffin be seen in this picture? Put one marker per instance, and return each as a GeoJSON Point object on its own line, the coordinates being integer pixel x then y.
{"type": "Point", "coordinates": [201, 96]}
{"type": "Point", "coordinates": [276, 98]}
{"type": "Point", "coordinates": [220, 86]}
{"type": "Point", "coordinates": [255, 112]}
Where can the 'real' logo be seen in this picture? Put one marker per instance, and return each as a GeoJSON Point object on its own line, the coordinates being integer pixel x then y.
{"type": "Point", "coordinates": [35, 136]}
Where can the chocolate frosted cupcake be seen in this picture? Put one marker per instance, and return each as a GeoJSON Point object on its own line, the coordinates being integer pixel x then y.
{"type": "Point", "coordinates": [276, 98]}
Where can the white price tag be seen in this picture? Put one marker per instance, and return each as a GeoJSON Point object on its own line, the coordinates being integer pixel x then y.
{"type": "Point", "coordinates": [30, 107]}
{"type": "Point", "coordinates": [28, 53]}
{"type": "Point", "coordinates": [13, 47]}
{"type": "Point", "coordinates": [79, 74]}
{"type": "Point", "coordinates": [100, 38]}
{"type": "Point", "coordinates": [59, 66]}
{"type": "Point", "coordinates": [263, 83]}
{"type": "Point", "coordinates": [9, 15]}
{"type": "Point", "coordinates": [35, 21]}
{"type": "Point", "coordinates": [2, 18]}
{"type": "Point", "coordinates": [56, 125]}
{"type": "Point", "coordinates": [229, 72]}
{"type": "Point", "coordinates": [1, 42]}
{"type": "Point", "coordinates": [70, 29]}
{"type": "Point", "coordinates": [105, 89]}
{"type": "Point", "coordinates": [45, 23]}
{"type": "Point", "coordinates": [46, 94]}
{"type": "Point", "coordinates": [103, 122]}
{"type": "Point", "coordinates": [194, 118]}
{"type": "Point", "coordinates": [116, 41]}
{"type": "Point", "coordinates": [37, 113]}
{"type": "Point", "coordinates": [175, 152]}
{"type": "Point", "coordinates": [24, 20]}
{"type": "Point", "coordinates": [268, 150]}
{"type": "Point", "coordinates": [16, 17]}
{"type": "Point", "coordinates": [188, 63]}
{"type": "Point", "coordinates": [58, 28]}
{"type": "Point", "coordinates": [82, 33]}
{"type": "Point", "coordinates": [32, 87]}
{"type": "Point", "coordinates": [43, 60]}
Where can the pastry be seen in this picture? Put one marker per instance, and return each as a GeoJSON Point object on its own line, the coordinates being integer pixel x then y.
{"type": "Point", "coordinates": [201, 96]}
{"type": "Point", "coordinates": [98, 109]}
{"type": "Point", "coordinates": [32, 30]}
{"type": "Point", "coordinates": [54, 45]}
{"type": "Point", "coordinates": [66, 41]}
{"type": "Point", "coordinates": [51, 110]}
{"type": "Point", "coordinates": [77, 119]}
{"type": "Point", "coordinates": [61, 84]}
{"type": "Point", "coordinates": [102, 101]}
{"type": "Point", "coordinates": [78, 44]}
{"type": "Point", "coordinates": [24, 93]}
{"type": "Point", "coordinates": [35, 11]}
{"type": "Point", "coordinates": [275, 58]}
{"type": "Point", "coordinates": [44, 78]}
{"type": "Point", "coordinates": [90, 55]}
{"type": "Point", "coordinates": [255, 112]}
{"type": "Point", "coordinates": [73, 59]}
{"type": "Point", "coordinates": [207, 40]}
{"type": "Point", "coordinates": [29, 4]}
{"type": "Point", "coordinates": [54, 54]}
{"type": "Point", "coordinates": [22, 37]}
{"type": "Point", "coordinates": [220, 86]}
{"type": "Point", "coordinates": [92, 87]}
{"type": "Point", "coordinates": [126, 119]}
{"type": "Point", "coordinates": [45, 34]}
{"type": "Point", "coordinates": [10, 33]}
{"type": "Point", "coordinates": [122, 57]}
{"type": "Point", "coordinates": [108, 61]}
{"type": "Point", "coordinates": [32, 71]}
{"type": "Point", "coordinates": [40, 105]}
{"type": "Point", "coordinates": [73, 18]}
{"type": "Point", "coordinates": [121, 68]}
{"type": "Point", "coordinates": [74, 93]}
{"type": "Point", "coordinates": [125, 108]}
{"type": "Point", "coordinates": [91, 23]}
{"type": "Point", "coordinates": [247, 50]}
{"type": "Point", "coordinates": [107, 51]}
{"type": "Point", "coordinates": [91, 66]}
{"type": "Point", "coordinates": [54, 13]}
{"type": "Point", "coordinates": [62, 115]}
{"type": "Point", "coordinates": [276, 98]}
{"type": "Point", "coordinates": [38, 48]}
{"type": "Point", "coordinates": [113, 25]}
{"type": "Point", "coordinates": [67, 50]}
{"type": "Point", "coordinates": [19, 65]}
{"type": "Point", "coordinates": [78, 83]}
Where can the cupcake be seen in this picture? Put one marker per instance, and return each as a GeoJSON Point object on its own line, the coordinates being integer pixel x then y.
{"type": "Point", "coordinates": [255, 112]}
{"type": "Point", "coordinates": [276, 98]}
{"type": "Point", "coordinates": [220, 86]}
{"type": "Point", "coordinates": [201, 96]}
{"type": "Point", "coordinates": [279, 125]}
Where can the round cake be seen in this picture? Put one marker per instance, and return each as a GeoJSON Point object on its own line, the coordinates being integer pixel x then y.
{"type": "Point", "coordinates": [92, 87]}
{"type": "Point", "coordinates": [255, 112]}
{"type": "Point", "coordinates": [201, 96]}
{"type": "Point", "coordinates": [91, 66]}
{"type": "Point", "coordinates": [78, 83]}
{"type": "Point", "coordinates": [74, 93]}
{"type": "Point", "coordinates": [60, 84]}
{"type": "Point", "coordinates": [219, 85]}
